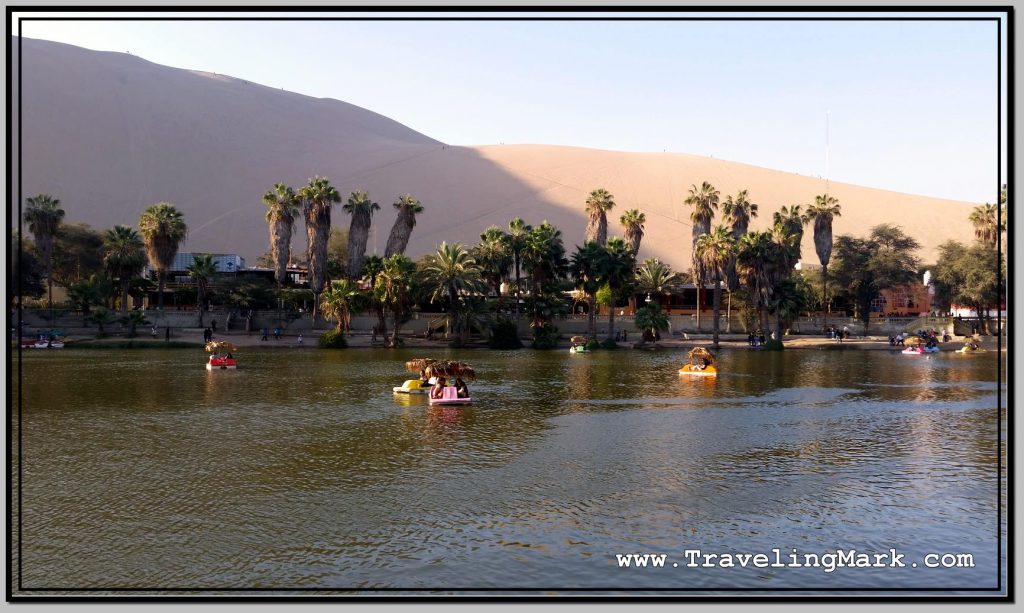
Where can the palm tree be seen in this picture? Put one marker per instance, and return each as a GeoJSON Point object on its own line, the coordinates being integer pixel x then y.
{"type": "Point", "coordinates": [633, 222]}
{"type": "Point", "coordinates": [317, 197]}
{"type": "Point", "coordinates": [492, 253]}
{"type": "Point", "coordinates": [202, 269]}
{"type": "Point", "coordinates": [585, 266]}
{"type": "Point", "coordinates": [372, 267]}
{"type": "Point", "coordinates": [397, 289]}
{"type": "Point", "coordinates": [43, 216]}
{"type": "Point", "coordinates": [338, 301]}
{"type": "Point", "coordinates": [408, 208]}
{"type": "Point", "coordinates": [282, 211]}
{"type": "Point", "coordinates": [704, 201]}
{"type": "Point", "coordinates": [738, 214]}
{"type": "Point", "coordinates": [163, 229]}
{"type": "Point", "coordinates": [792, 220]}
{"type": "Point", "coordinates": [617, 271]}
{"type": "Point", "coordinates": [518, 233]}
{"type": "Point", "coordinates": [124, 257]}
{"type": "Point", "coordinates": [544, 259]}
{"type": "Point", "coordinates": [361, 208]}
{"type": "Point", "coordinates": [987, 227]}
{"type": "Point", "coordinates": [755, 262]}
{"type": "Point", "coordinates": [655, 277]}
{"type": "Point", "coordinates": [599, 202]}
{"type": "Point", "coordinates": [450, 273]}
{"type": "Point", "coordinates": [825, 207]}
{"type": "Point", "coordinates": [715, 252]}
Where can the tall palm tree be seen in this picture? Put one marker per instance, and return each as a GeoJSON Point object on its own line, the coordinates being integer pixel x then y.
{"type": "Point", "coordinates": [124, 257]}
{"type": "Point", "coordinates": [824, 209]}
{"type": "Point", "coordinates": [599, 202]}
{"type": "Point", "coordinates": [617, 271]}
{"type": "Point", "coordinates": [792, 220]}
{"type": "Point", "coordinates": [585, 266]}
{"type": "Point", "coordinates": [338, 301]}
{"type": "Point", "coordinates": [202, 269]}
{"type": "Point", "coordinates": [715, 251]}
{"type": "Point", "coordinates": [163, 229]}
{"type": "Point", "coordinates": [361, 208]}
{"type": "Point", "coordinates": [282, 211]}
{"type": "Point", "coordinates": [518, 233]}
{"type": "Point", "coordinates": [494, 257]}
{"type": "Point", "coordinates": [317, 197]}
{"type": "Point", "coordinates": [43, 216]}
{"type": "Point", "coordinates": [633, 223]}
{"type": "Point", "coordinates": [738, 212]}
{"type": "Point", "coordinates": [704, 200]}
{"type": "Point", "coordinates": [408, 208]}
{"type": "Point", "coordinates": [450, 273]}
{"type": "Point", "coordinates": [987, 228]}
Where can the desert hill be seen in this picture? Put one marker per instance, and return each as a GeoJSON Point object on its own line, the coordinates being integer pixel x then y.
{"type": "Point", "coordinates": [111, 133]}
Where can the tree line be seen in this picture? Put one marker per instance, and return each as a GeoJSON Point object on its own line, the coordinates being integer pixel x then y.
{"type": "Point", "coordinates": [525, 264]}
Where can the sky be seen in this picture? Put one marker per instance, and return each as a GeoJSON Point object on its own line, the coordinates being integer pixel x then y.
{"type": "Point", "coordinates": [908, 106]}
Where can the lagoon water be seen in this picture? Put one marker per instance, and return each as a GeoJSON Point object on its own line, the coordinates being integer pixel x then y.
{"type": "Point", "coordinates": [142, 470]}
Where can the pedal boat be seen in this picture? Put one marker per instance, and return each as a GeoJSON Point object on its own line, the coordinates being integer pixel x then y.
{"type": "Point", "coordinates": [702, 364]}
{"type": "Point", "coordinates": [413, 386]}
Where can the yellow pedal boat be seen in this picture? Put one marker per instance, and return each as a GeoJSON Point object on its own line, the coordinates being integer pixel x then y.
{"type": "Point", "coordinates": [413, 386]}
{"type": "Point", "coordinates": [702, 363]}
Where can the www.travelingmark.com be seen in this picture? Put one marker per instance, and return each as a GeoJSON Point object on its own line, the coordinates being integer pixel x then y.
{"type": "Point", "coordinates": [776, 558]}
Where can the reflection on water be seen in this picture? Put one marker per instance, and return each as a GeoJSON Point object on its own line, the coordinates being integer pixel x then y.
{"type": "Point", "coordinates": [303, 469]}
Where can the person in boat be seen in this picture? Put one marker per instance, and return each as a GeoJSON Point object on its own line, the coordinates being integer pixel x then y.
{"type": "Point", "coordinates": [229, 356]}
{"type": "Point", "coordinates": [438, 390]}
{"type": "Point", "coordinates": [423, 376]}
{"type": "Point", "coordinates": [699, 364]}
{"type": "Point", "coordinates": [460, 388]}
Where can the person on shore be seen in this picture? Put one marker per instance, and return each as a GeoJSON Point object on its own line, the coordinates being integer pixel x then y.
{"type": "Point", "coordinates": [277, 334]}
{"type": "Point", "coordinates": [460, 388]}
{"type": "Point", "coordinates": [300, 338]}
{"type": "Point", "coordinates": [438, 390]}
{"type": "Point", "coordinates": [207, 335]}
{"type": "Point", "coordinates": [263, 334]}
{"type": "Point", "coordinates": [153, 331]}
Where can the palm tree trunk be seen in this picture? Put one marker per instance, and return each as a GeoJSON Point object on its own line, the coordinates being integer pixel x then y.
{"type": "Point", "coordinates": [382, 323]}
{"type": "Point", "coordinates": [518, 285]}
{"type": "Point", "coordinates": [824, 293]}
{"type": "Point", "coordinates": [358, 234]}
{"type": "Point", "coordinates": [717, 309]}
{"type": "Point", "coordinates": [125, 282]}
{"type": "Point", "coordinates": [611, 318]}
{"type": "Point", "coordinates": [201, 295]}
{"type": "Point", "coordinates": [160, 290]}
{"type": "Point", "coordinates": [591, 316]}
{"type": "Point", "coordinates": [698, 308]}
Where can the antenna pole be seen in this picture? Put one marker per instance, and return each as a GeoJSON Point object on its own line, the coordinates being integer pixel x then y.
{"type": "Point", "coordinates": [827, 145]}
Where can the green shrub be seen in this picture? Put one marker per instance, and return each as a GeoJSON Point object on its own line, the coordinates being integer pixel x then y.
{"type": "Point", "coordinates": [772, 345]}
{"type": "Point", "coordinates": [545, 337]}
{"type": "Point", "coordinates": [504, 335]}
{"type": "Point", "coordinates": [592, 344]}
{"type": "Point", "coordinates": [332, 340]}
{"type": "Point", "coordinates": [609, 344]}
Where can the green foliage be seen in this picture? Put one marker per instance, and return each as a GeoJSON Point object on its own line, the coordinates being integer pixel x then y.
{"type": "Point", "coordinates": [77, 253]}
{"type": "Point", "coordinates": [29, 271]}
{"type": "Point", "coordinates": [592, 344]}
{"type": "Point", "coordinates": [545, 336]}
{"type": "Point", "coordinates": [863, 267]}
{"type": "Point", "coordinates": [772, 344]}
{"type": "Point", "coordinates": [102, 317]}
{"type": "Point", "coordinates": [969, 275]}
{"type": "Point", "coordinates": [650, 319]}
{"type": "Point", "coordinates": [608, 344]}
{"type": "Point", "coordinates": [332, 339]}
{"type": "Point", "coordinates": [133, 320]}
{"type": "Point", "coordinates": [244, 293]}
{"type": "Point", "coordinates": [504, 334]}
{"type": "Point", "coordinates": [88, 293]}
{"type": "Point", "coordinates": [337, 253]}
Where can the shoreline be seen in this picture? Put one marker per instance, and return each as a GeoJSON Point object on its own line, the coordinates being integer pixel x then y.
{"type": "Point", "coordinates": [194, 339]}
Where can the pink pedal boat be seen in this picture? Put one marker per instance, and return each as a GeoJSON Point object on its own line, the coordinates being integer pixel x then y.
{"type": "Point", "coordinates": [450, 396]}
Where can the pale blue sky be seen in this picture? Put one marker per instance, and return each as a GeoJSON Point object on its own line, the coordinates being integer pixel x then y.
{"type": "Point", "coordinates": [912, 104]}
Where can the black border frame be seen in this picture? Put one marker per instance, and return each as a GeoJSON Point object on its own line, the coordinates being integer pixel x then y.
{"type": "Point", "coordinates": [478, 13]}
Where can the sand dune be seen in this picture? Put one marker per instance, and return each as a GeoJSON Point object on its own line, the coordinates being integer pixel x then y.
{"type": "Point", "coordinates": [111, 133]}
